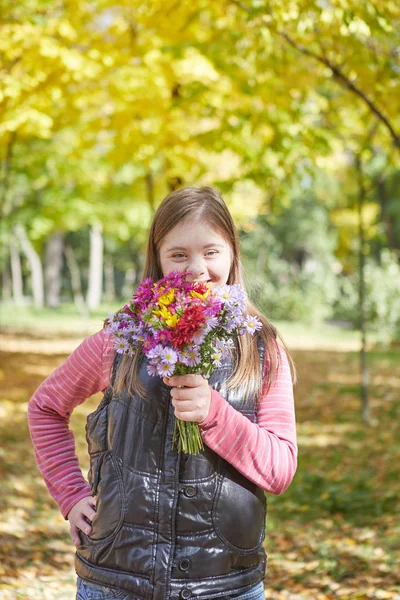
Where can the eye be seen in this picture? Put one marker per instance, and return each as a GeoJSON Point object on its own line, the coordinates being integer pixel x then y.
{"type": "Point", "coordinates": [179, 255]}
{"type": "Point", "coordinates": [212, 252]}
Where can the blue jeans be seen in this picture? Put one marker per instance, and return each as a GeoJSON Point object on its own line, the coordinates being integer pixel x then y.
{"type": "Point", "coordinates": [87, 590]}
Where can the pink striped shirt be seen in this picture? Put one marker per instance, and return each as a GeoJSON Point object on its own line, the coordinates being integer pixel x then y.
{"type": "Point", "coordinates": [265, 452]}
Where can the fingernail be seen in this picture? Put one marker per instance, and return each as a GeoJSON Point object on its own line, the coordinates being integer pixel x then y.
{"type": "Point", "coordinates": [87, 530]}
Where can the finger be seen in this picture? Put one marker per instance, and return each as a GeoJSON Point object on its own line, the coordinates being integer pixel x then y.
{"type": "Point", "coordinates": [89, 512]}
{"type": "Point", "coordinates": [74, 533]}
{"type": "Point", "coordinates": [183, 405]}
{"type": "Point", "coordinates": [186, 415]}
{"type": "Point", "coordinates": [176, 394]}
{"type": "Point", "coordinates": [190, 380]}
{"type": "Point", "coordinates": [83, 525]}
{"type": "Point", "coordinates": [183, 394]}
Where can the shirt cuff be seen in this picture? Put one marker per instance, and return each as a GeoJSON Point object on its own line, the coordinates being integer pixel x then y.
{"type": "Point", "coordinates": [66, 507]}
{"type": "Point", "coordinates": [216, 404]}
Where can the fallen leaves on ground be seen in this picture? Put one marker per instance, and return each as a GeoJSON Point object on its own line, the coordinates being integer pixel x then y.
{"type": "Point", "coordinates": [333, 535]}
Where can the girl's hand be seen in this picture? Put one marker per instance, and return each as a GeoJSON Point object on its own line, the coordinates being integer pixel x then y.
{"type": "Point", "coordinates": [192, 402]}
{"type": "Point", "coordinates": [82, 510]}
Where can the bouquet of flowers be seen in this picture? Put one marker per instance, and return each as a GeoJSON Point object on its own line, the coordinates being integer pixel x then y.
{"type": "Point", "coordinates": [182, 327]}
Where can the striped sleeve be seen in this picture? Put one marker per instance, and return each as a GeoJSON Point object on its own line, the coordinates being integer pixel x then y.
{"type": "Point", "coordinates": [84, 373]}
{"type": "Point", "coordinates": [265, 452]}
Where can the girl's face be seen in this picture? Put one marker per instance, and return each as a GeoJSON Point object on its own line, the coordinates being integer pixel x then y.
{"type": "Point", "coordinates": [198, 248]}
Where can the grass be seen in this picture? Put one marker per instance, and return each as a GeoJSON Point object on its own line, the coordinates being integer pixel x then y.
{"type": "Point", "coordinates": [47, 322]}
{"type": "Point", "coordinates": [66, 321]}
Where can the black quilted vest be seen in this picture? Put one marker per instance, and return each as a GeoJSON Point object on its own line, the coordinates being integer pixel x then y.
{"type": "Point", "coordinates": [168, 525]}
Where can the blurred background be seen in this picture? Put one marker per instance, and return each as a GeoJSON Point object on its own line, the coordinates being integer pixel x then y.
{"type": "Point", "coordinates": [292, 111]}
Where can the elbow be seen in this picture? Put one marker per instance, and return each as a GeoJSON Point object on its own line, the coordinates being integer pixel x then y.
{"type": "Point", "coordinates": [31, 415]}
{"type": "Point", "coordinates": [30, 410]}
{"type": "Point", "coordinates": [284, 476]}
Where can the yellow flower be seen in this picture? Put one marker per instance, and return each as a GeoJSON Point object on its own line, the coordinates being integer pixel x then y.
{"type": "Point", "coordinates": [170, 319]}
{"type": "Point", "coordinates": [201, 296]}
{"type": "Point", "coordinates": [166, 298]}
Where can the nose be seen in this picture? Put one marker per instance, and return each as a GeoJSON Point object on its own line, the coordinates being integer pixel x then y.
{"type": "Point", "coordinates": [197, 270]}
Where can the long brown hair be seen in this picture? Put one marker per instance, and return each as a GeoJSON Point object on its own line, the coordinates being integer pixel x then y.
{"type": "Point", "coordinates": [205, 204]}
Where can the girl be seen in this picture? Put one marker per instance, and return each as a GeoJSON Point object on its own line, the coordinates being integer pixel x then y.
{"type": "Point", "coordinates": [151, 523]}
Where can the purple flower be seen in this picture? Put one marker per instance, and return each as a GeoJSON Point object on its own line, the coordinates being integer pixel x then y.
{"type": "Point", "coordinates": [120, 345]}
{"type": "Point", "coordinates": [221, 349]}
{"type": "Point", "coordinates": [131, 351]}
{"type": "Point", "coordinates": [231, 325]}
{"type": "Point", "coordinates": [161, 336]}
{"type": "Point", "coordinates": [174, 279]}
{"type": "Point", "coordinates": [199, 336]}
{"type": "Point", "coordinates": [112, 327]}
{"type": "Point", "coordinates": [232, 295]}
{"type": "Point", "coordinates": [219, 345]}
{"type": "Point", "coordinates": [165, 369]}
{"type": "Point", "coordinates": [181, 298]}
{"type": "Point", "coordinates": [217, 354]}
{"type": "Point", "coordinates": [234, 310]}
{"type": "Point", "coordinates": [191, 356]}
{"type": "Point", "coordinates": [252, 324]}
{"type": "Point", "coordinates": [212, 323]}
{"type": "Point", "coordinates": [216, 359]}
{"type": "Point", "coordinates": [156, 352]}
{"type": "Point", "coordinates": [136, 333]}
{"type": "Point", "coordinates": [144, 294]}
{"type": "Point", "coordinates": [123, 324]}
{"type": "Point", "coordinates": [152, 368]}
{"type": "Point", "coordinates": [169, 356]}
{"type": "Point", "coordinates": [214, 307]}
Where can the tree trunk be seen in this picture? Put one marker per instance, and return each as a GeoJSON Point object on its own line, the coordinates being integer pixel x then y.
{"type": "Point", "coordinates": [129, 284]}
{"type": "Point", "coordinates": [35, 265]}
{"type": "Point", "coordinates": [6, 283]}
{"type": "Point", "coordinates": [365, 408]}
{"type": "Point", "coordinates": [95, 285]}
{"type": "Point", "coordinates": [16, 274]}
{"type": "Point", "coordinates": [385, 218]}
{"type": "Point", "coordinates": [261, 261]}
{"type": "Point", "coordinates": [76, 286]}
{"type": "Point", "coordinates": [109, 279]}
{"type": "Point", "coordinates": [53, 262]}
{"type": "Point", "coordinates": [5, 175]}
{"type": "Point", "coordinates": [150, 190]}
{"type": "Point", "coordinates": [174, 183]}
{"type": "Point", "coordinates": [137, 259]}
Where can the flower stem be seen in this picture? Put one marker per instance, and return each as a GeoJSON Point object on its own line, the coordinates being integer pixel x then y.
{"type": "Point", "coordinates": [188, 437]}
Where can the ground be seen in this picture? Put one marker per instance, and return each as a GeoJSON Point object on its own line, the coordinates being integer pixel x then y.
{"type": "Point", "coordinates": [333, 535]}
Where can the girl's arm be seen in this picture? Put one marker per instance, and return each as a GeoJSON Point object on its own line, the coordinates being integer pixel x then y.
{"type": "Point", "coordinates": [265, 452]}
{"type": "Point", "coordinates": [84, 373]}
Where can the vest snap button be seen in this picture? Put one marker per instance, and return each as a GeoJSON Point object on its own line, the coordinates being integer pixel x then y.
{"type": "Point", "coordinates": [190, 491]}
{"type": "Point", "coordinates": [185, 593]}
{"type": "Point", "coordinates": [184, 565]}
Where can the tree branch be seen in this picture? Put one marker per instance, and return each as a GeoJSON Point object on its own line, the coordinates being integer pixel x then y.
{"type": "Point", "coordinates": [343, 79]}
{"type": "Point", "coordinates": [335, 69]}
